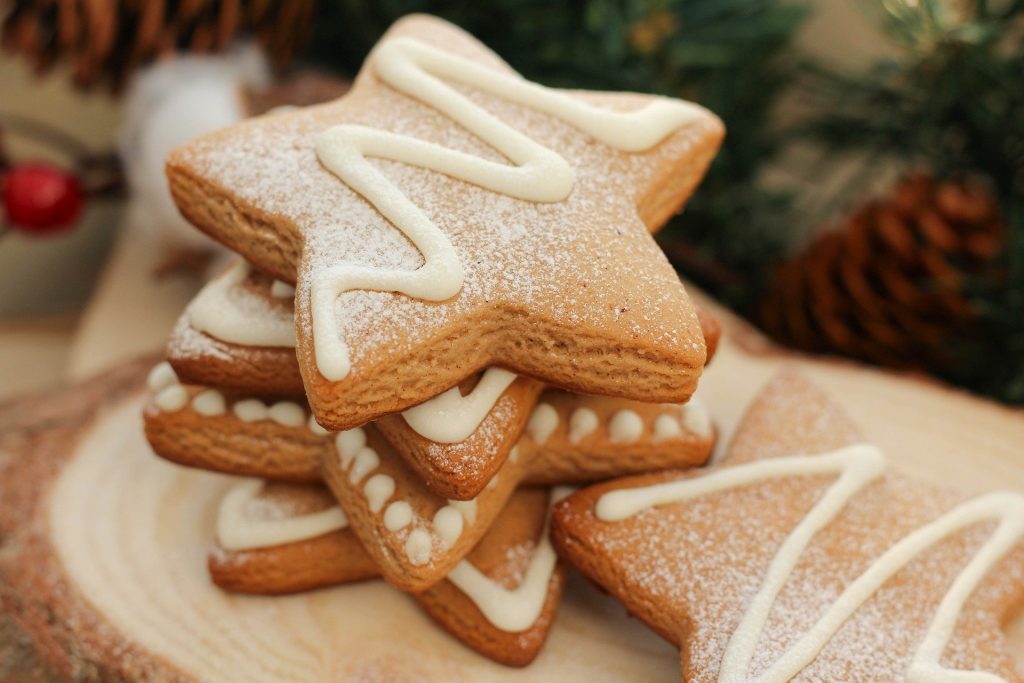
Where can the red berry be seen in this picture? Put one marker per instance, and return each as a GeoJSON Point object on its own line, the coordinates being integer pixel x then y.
{"type": "Point", "coordinates": [41, 199]}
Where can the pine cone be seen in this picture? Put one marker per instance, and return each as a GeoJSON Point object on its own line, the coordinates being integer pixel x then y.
{"type": "Point", "coordinates": [104, 41]}
{"type": "Point", "coordinates": [889, 285]}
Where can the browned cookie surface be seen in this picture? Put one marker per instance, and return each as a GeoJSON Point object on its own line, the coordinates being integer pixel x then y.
{"type": "Point", "coordinates": [568, 439]}
{"type": "Point", "coordinates": [244, 305]}
{"type": "Point", "coordinates": [265, 555]}
{"type": "Point", "coordinates": [571, 290]}
{"type": "Point", "coordinates": [689, 556]}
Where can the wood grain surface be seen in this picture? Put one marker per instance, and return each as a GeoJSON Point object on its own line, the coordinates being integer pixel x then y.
{"type": "Point", "coordinates": [103, 546]}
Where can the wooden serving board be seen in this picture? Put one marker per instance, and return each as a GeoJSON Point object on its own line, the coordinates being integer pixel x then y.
{"type": "Point", "coordinates": [102, 560]}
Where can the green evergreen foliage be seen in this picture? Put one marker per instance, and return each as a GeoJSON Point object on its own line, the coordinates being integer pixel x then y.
{"type": "Point", "coordinates": [732, 56]}
{"type": "Point", "coordinates": [952, 102]}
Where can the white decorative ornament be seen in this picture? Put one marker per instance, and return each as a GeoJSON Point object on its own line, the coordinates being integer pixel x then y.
{"type": "Point", "coordinates": [169, 103]}
{"type": "Point", "coordinates": [536, 173]}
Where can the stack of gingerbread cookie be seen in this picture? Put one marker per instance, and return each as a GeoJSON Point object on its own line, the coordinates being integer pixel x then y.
{"type": "Point", "coordinates": [448, 307]}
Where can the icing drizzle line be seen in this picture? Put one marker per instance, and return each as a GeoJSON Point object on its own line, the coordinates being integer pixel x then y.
{"type": "Point", "coordinates": [857, 466]}
{"type": "Point", "coordinates": [509, 610]}
{"type": "Point", "coordinates": [451, 417]}
{"type": "Point", "coordinates": [214, 312]}
{"type": "Point", "coordinates": [447, 418]}
{"type": "Point", "coordinates": [537, 173]}
{"type": "Point", "coordinates": [236, 532]}
{"type": "Point", "coordinates": [515, 610]}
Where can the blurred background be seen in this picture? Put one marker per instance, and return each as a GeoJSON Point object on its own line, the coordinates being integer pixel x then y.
{"type": "Point", "coordinates": [868, 202]}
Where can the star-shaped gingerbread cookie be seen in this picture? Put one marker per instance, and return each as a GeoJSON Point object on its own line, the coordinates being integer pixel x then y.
{"type": "Point", "coordinates": [500, 601]}
{"type": "Point", "coordinates": [238, 335]}
{"type": "Point", "coordinates": [447, 216]}
{"type": "Point", "coordinates": [804, 556]}
{"type": "Point", "coordinates": [415, 536]}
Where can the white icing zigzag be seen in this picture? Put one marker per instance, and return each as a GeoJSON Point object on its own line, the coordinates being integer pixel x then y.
{"type": "Point", "coordinates": [537, 173]}
{"type": "Point", "coordinates": [451, 417]}
{"type": "Point", "coordinates": [215, 313]}
{"type": "Point", "coordinates": [857, 466]}
{"type": "Point", "coordinates": [447, 418]}
{"type": "Point", "coordinates": [516, 610]}
{"type": "Point", "coordinates": [509, 610]}
{"type": "Point", "coordinates": [235, 531]}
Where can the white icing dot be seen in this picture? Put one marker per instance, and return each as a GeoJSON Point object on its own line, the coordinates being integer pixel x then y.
{"type": "Point", "coordinates": [351, 440]}
{"type": "Point", "coordinates": [582, 424]}
{"type": "Point", "coordinates": [538, 174]}
{"type": "Point", "coordinates": [366, 461]}
{"type": "Point", "coordinates": [448, 525]}
{"type": "Point", "coordinates": [282, 290]}
{"type": "Point", "coordinates": [625, 426]}
{"type": "Point", "coordinates": [696, 419]}
{"type": "Point", "coordinates": [378, 489]}
{"type": "Point", "coordinates": [466, 507]}
{"type": "Point", "coordinates": [397, 516]}
{"type": "Point", "coordinates": [161, 376]}
{"type": "Point", "coordinates": [250, 410]}
{"type": "Point", "coordinates": [513, 454]}
{"type": "Point", "coordinates": [287, 413]}
{"type": "Point", "coordinates": [209, 403]}
{"type": "Point", "coordinates": [418, 546]}
{"type": "Point", "coordinates": [348, 443]}
{"type": "Point", "coordinates": [172, 398]}
{"type": "Point", "coordinates": [542, 422]}
{"type": "Point", "coordinates": [315, 427]}
{"type": "Point", "coordinates": [666, 427]}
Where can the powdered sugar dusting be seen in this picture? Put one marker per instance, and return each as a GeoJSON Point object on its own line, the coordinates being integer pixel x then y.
{"type": "Point", "coordinates": [517, 560]}
{"type": "Point", "coordinates": [587, 261]}
{"type": "Point", "coordinates": [705, 560]}
{"type": "Point", "coordinates": [459, 459]}
{"type": "Point", "coordinates": [278, 501]}
{"type": "Point", "coordinates": [252, 297]}
{"type": "Point", "coordinates": [700, 563]}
